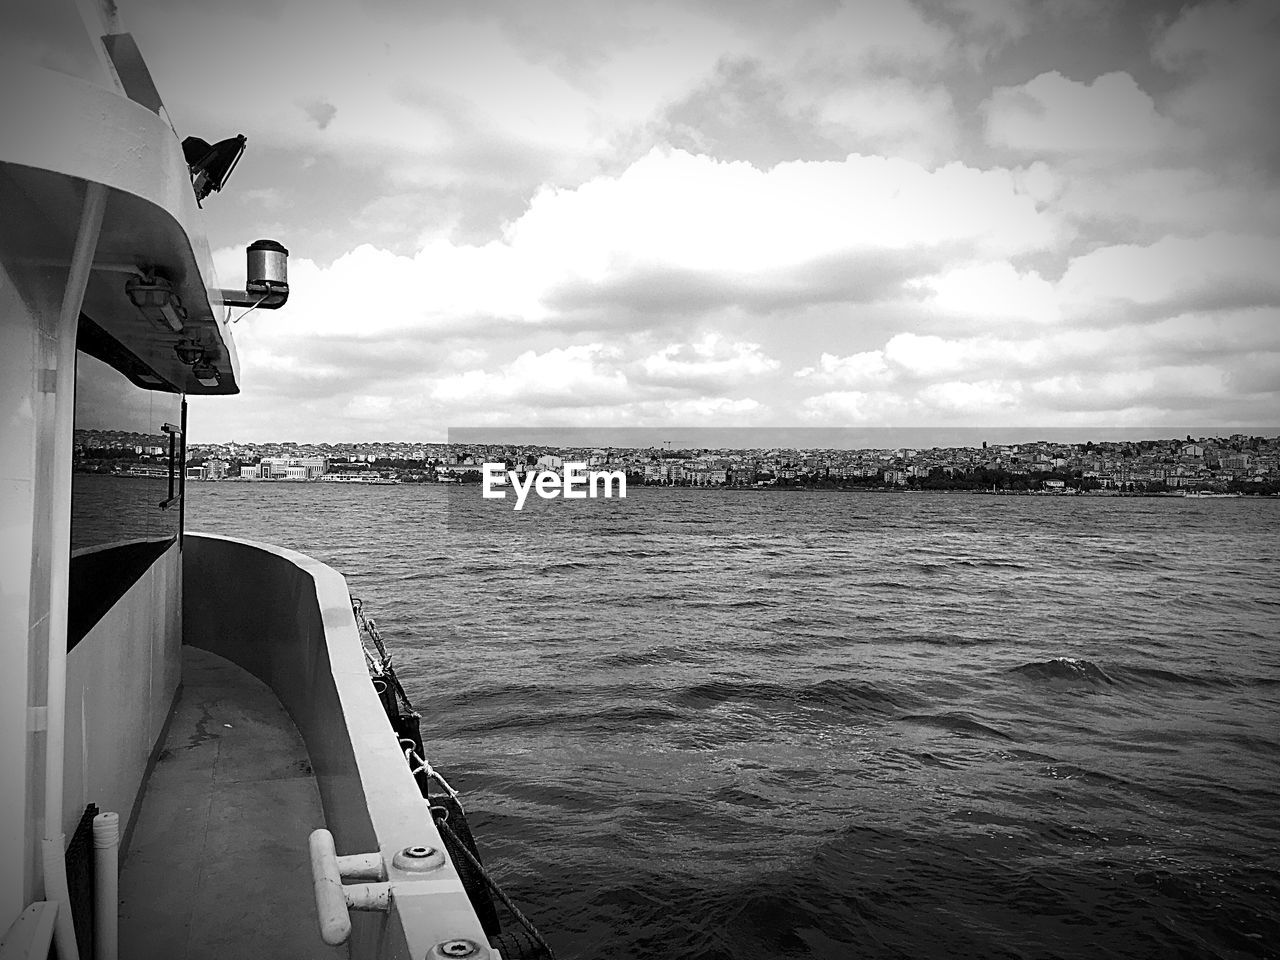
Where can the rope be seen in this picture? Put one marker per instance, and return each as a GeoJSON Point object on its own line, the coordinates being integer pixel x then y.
{"type": "Point", "coordinates": [381, 666]}
{"type": "Point", "coordinates": [423, 766]}
{"type": "Point", "coordinates": [497, 890]}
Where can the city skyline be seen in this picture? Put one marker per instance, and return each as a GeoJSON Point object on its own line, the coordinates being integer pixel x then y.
{"type": "Point", "coordinates": [753, 438]}
{"type": "Point", "coordinates": [1240, 463]}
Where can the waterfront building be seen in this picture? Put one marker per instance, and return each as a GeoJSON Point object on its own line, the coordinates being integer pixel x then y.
{"type": "Point", "coordinates": [293, 468]}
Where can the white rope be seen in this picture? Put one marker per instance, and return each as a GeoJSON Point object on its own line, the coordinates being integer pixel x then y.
{"type": "Point", "coordinates": [419, 765]}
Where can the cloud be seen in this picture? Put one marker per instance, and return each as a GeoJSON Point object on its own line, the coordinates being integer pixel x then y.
{"type": "Point", "coordinates": [1171, 276]}
{"type": "Point", "coordinates": [319, 111]}
{"type": "Point", "coordinates": [860, 369]}
{"type": "Point", "coordinates": [671, 207]}
{"type": "Point", "coordinates": [674, 232]}
{"type": "Point", "coordinates": [988, 292]}
{"type": "Point", "coordinates": [712, 411]}
{"type": "Point", "coordinates": [1170, 388]}
{"type": "Point", "coordinates": [1225, 54]}
{"type": "Point", "coordinates": [710, 363]}
{"type": "Point", "coordinates": [1109, 117]}
{"type": "Point", "coordinates": [869, 213]}
{"type": "Point", "coordinates": [858, 407]}
{"type": "Point", "coordinates": [892, 116]}
{"type": "Point", "coordinates": [1144, 203]}
{"type": "Point", "coordinates": [984, 26]}
{"type": "Point", "coordinates": [855, 36]}
{"type": "Point", "coordinates": [746, 112]}
{"type": "Point", "coordinates": [563, 377]}
{"type": "Point", "coordinates": [910, 358]}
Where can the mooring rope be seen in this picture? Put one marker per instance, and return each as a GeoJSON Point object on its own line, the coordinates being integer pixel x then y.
{"type": "Point", "coordinates": [381, 666]}
{"type": "Point", "coordinates": [497, 890]}
{"type": "Point", "coordinates": [419, 764]}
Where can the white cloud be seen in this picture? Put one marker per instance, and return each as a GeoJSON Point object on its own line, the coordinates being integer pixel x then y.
{"type": "Point", "coordinates": [1168, 386]}
{"type": "Point", "coordinates": [1121, 265]}
{"type": "Point", "coordinates": [858, 370]}
{"type": "Point", "coordinates": [844, 407]}
{"type": "Point", "coordinates": [673, 208]}
{"type": "Point", "coordinates": [670, 211]}
{"type": "Point", "coordinates": [1112, 116]}
{"type": "Point", "coordinates": [1172, 275]}
{"type": "Point", "coordinates": [561, 377]}
{"type": "Point", "coordinates": [711, 411]}
{"type": "Point", "coordinates": [989, 291]}
{"type": "Point", "coordinates": [978, 397]}
{"type": "Point", "coordinates": [912, 357]}
{"type": "Point", "coordinates": [711, 360]}
{"type": "Point", "coordinates": [1148, 202]}
{"type": "Point", "coordinates": [894, 116]}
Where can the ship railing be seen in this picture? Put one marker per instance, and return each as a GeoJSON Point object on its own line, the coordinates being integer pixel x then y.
{"type": "Point", "coordinates": [287, 619]}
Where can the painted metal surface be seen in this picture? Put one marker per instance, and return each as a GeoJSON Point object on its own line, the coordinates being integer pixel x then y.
{"type": "Point", "coordinates": [62, 132]}
{"type": "Point", "coordinates": [93, 187]}
{"type": "Point", "coordinates": [287, 619]}
{"type": "Point", "coordinates": [213, 867]}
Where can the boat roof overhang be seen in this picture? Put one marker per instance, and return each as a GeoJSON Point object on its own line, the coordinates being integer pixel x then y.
{"type": "Point", "coordinates": [61, 133]}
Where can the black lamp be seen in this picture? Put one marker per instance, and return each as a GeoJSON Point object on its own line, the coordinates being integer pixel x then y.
{"type": "Point", "coordinates": [211, 166]}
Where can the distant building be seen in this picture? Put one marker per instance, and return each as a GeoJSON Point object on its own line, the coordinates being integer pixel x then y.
{"type": "Point", "coordinates": [293, 468]}
{"type": "Point", "coordinates": [548, 462]}
{"type": "Point", "coordinates": [706, 477]}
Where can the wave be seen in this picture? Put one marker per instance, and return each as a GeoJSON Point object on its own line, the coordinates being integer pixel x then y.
{"type": "Point", "coordinates": [944, 639]}
{"type": "Point", "coordinates": [1072, 771]}
{"type": "Point", "coordinates": [956, 722]}
{"type": "Point", "coordinates": [1073, 670]}
{"type": "Point", "coordinates": [563, 565]}
{"type": "Point", "coordinates": [1158, 676]}
{"type": "Point", "coordinates": [656, 656]}
{"type": "Point", "coordinates": [849, 695]}
{"type": "Point", "coordinates": [612, 719]}
{"type": "Point", "coordinates": [1065, 668]}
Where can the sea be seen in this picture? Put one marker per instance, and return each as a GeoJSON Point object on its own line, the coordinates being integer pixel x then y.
{"type": "Point", "coordinates": [707, 724]}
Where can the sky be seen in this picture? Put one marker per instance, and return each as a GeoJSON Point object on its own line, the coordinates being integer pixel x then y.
{"type": "Point", "coordinates": [740, 213]}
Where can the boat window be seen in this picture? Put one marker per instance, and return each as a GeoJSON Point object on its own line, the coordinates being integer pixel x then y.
{"type": "Point", "coordinates": [126, 508]}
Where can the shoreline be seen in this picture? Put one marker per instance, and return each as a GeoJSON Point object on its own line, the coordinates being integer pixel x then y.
{"type": "Point", "coordinates": [1103, 494]}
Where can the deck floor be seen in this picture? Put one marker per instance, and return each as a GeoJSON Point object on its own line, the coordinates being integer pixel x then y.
{"type": "Point", "coordinates": [217, 864]}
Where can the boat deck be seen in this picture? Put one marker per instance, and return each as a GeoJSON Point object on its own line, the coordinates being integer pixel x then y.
{"type": "Point", "coordinates": [217, 864]}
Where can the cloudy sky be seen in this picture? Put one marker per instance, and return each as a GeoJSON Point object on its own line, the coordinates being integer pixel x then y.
{"type": "Point", "coordinates": [804, 212]}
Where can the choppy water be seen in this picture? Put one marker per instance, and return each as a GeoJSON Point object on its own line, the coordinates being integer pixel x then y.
{"type": "Point", "coordinates": [714, 724]}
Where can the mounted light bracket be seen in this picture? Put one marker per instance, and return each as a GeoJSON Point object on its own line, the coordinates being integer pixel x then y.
{"type": "Point", "coordinates": [155, 299]}
{"type": "Point", "coordinates": [267, 273]}
{"type": "Point", "coordinates": [189, 352]}
{"type": "Point", "coordinates": [206, 373]}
